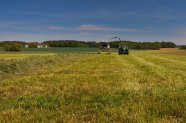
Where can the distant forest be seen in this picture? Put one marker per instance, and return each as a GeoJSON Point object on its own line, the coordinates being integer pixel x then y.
{"type": "Point", "coordinates": [113, 44]}
{"type": "Point", "coordinates": [183, 47]}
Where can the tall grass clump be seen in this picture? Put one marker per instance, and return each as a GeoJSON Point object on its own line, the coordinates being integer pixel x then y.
{"type": "Point", "coordinates": [22, 65]}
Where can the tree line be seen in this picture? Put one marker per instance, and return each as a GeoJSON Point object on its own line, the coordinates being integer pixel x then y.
{"type": "Point", "coordinates": [113, 44]}
{"type": "Point", "coordinates": [137, 45]}
{"type": "Point", "coordinates": [71, 43]}
{"type": "Point", "coordinates": [5, 43]}
{"type": "Point", "coordinates": [167, 44]}
{"type": "Point", "coordinates": [183, 47]}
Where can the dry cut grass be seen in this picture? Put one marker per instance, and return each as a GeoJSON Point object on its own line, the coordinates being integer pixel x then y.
{"type": "Point", "coordinates": [146, 86]}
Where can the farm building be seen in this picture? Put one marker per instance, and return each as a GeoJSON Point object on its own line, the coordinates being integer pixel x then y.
{"type": "Point", "coordinates": [36, 45]}
{"type": "Point", "coordinates": [26, 46]}
{"type": "Point", "coordinates": [42, 46]}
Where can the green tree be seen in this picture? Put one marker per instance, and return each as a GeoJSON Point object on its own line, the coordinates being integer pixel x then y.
{"type": "Point", "coordinates": [14, 47]}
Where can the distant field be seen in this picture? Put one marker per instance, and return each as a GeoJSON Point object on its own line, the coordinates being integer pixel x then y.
{"type": "Point", "coordinates": [79, 85]}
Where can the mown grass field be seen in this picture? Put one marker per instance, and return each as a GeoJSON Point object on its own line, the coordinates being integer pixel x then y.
{"type": "Point", "coordinates": [146, 86]}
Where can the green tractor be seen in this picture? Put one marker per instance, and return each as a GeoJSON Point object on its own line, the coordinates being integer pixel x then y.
{"type": "Point", "coordinates": [123, 50]}
{"type": "Point", "coordinates": [105, 47]}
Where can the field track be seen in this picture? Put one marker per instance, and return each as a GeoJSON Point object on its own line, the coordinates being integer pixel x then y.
{"type": "Point", "coordinates": [146, 86]}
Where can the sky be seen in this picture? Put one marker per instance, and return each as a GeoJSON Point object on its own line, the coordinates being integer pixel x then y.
{"type": "Point", "coordinates": [93, 20]}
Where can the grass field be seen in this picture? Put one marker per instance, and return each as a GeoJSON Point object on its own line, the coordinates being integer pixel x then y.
{"type": "Point", "coordinates": [83, 86]}
{"type": "Point", "coordinates": [58, 50]}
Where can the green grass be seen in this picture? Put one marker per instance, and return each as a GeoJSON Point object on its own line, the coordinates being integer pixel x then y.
{"type": "Point", "coordinates": [64, 49]}
{"type": "Point", "coordinates": [59, 50]}
{"type": "Point", "coordinates": [146, 86]}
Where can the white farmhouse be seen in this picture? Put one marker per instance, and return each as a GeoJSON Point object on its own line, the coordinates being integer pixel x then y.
{"type": "Point", "coordinates": [41, 45]}
{"type": "Point", "coordinates": [26, 46]}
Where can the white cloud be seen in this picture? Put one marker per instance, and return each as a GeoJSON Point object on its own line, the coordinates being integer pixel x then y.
{"type": "Point", "coordinates": [93, 28]}
{"type": "Point", "coordinates": [104, 28]}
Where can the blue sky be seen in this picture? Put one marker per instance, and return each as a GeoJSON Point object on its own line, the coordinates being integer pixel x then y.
{"type": "Point", "coordinates": [93, 20]}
